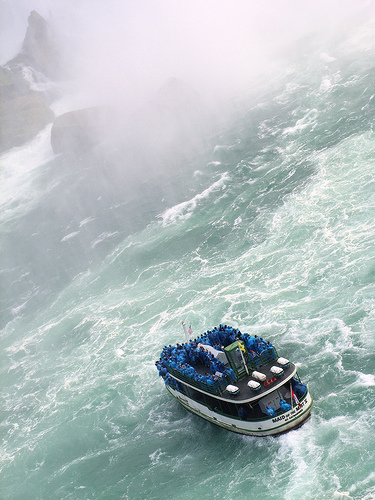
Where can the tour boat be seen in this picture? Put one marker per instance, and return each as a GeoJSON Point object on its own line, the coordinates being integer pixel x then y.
{"type": "Point", "coordinates": [236, 381]}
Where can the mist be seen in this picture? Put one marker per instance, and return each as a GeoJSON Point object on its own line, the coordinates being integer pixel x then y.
{"type": "Point", "coordinates": [121, 52]}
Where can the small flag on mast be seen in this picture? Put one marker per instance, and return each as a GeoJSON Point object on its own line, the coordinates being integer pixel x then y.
{"type": "Point", "coordinates": [190, 330]}
{"type": "Point", "coordinates": [295, 397]}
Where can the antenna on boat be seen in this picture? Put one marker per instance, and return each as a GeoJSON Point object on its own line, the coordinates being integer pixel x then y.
{"type": "Point", "coordinates": [185, 331]}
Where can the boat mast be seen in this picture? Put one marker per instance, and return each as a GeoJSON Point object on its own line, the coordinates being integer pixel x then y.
{"type": "Point", "coordinates": [185, 331]}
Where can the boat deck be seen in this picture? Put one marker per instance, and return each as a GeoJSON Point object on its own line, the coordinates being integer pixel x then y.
{"type": "Point", "coordinates": [245, 393]}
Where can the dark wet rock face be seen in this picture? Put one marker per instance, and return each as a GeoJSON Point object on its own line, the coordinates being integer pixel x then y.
{"type": "Point", "coordinates": [78, 131]}
{"type": "Point", "coordinates": [24, 110]}
{"type": "Point", "coordinates": [40, 48]}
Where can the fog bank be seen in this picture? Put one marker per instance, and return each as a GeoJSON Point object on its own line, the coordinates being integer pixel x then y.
{"type": "Point", "coordinates": [120, 52]}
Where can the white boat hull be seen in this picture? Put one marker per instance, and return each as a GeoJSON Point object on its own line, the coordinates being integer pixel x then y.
{"type": "Point", "coordinates": [265, 427]}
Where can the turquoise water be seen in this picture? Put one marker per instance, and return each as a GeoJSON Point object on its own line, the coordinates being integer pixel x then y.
{"type": "Point", "coordinates": [269, 226]}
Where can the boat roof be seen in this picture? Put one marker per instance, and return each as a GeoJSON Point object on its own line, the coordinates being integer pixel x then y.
{"type": "Point", "coordinates": [245, 394]}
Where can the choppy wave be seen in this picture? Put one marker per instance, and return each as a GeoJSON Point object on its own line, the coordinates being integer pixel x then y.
{"type": "Point", "coordinates": [184, 210]}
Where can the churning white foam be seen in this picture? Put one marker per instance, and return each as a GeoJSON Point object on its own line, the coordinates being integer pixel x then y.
{"type": "Point", "coordinates": [20, 168]}
{"type": "Point", "coordinates": [184, 210]}
{"type": "Point", "coordinates": [69, 236]}
{"type": "Point", "coordinates": [36, 80]}
{"type": "Point", "coordinates": [102, 237]}
{"type": "Point", "coordinates": [307, 121]}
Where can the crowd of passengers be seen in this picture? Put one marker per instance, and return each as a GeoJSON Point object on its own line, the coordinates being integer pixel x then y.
{"type": "Point", "coordinates": [223, 335]}
{"type": "Point", "coordinates": [184, 357]}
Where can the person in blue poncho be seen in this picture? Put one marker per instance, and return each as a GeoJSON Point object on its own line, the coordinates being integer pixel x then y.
{"type": "Point", "coordinates": [242, 413]}
{"type": "Point", "coordinates": [284, 405]}
{"type": "Point", "coordinates": [271, 411]}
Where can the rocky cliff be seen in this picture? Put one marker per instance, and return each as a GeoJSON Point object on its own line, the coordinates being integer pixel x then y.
{"type": "Point", "coordinates": [40, 48]}
{"type": "Point", "coordinates": [175, 118]}
{"type": "Point", "coordinates": [24, 110]}
{"type": "Point", "coordinates": [79, 131]}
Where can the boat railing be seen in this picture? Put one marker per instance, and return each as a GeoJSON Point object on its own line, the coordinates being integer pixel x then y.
{"type": "Point", "coordinates": [262, 359]}
{"type": "Point", "coordinates": [216, 387]}
{"type": "Point", "coordinates": [268, 356]}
